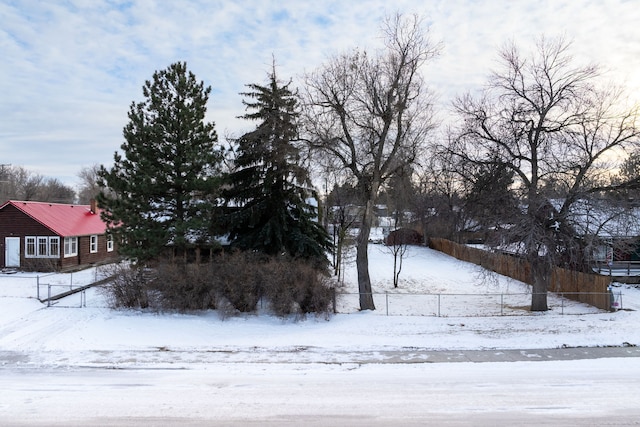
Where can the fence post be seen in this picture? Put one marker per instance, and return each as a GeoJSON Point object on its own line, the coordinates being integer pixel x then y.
{"type": "Point", "coordinates": [562, 304]}
{"type": "Point", "coordinates": [438, 305]}
{"type": "Point", "coordinates": [619, 300]}
{"type": "Point", "coordinates": [71, 281]}
{"type": "Point", "coordinates": [48, 295]}
{"type": "Point", "coordinates": [386, 297]}
{"type": "Point", "coordinates": [38, 286]}
{"type": "Point", "coordinates": [501, 304]}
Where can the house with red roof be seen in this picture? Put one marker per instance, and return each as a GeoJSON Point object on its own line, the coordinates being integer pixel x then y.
{"type": "Point", "coordinates": [46, 236]}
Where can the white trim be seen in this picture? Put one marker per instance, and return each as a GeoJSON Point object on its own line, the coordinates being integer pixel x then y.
{"type": "Point", "coordinates": [70, 247]}
{"type": "Point", "coordinates": [93, 243]}
{"type": "Point", "coordinates": [54, 242]}
{"type": "Point", "coordinates": [42, 247]}
{"type": "Point", "coordinates": [109, 238]}
{"type": "Point", "coordinates": [30, 247]}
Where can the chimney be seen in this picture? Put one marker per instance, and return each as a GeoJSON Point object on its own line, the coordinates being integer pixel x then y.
{"type": "Point", "coordinates": [94, 206]}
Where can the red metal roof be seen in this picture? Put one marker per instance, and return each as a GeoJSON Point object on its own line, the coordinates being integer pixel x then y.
{"type": "Point", "coordinates": [64, 220]}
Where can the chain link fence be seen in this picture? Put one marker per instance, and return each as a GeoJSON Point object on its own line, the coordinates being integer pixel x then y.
{"type": "Point", "coordinates": [469, 305]}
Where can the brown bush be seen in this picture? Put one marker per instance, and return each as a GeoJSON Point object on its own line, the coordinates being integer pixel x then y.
{"type": "Point", "coordinates": [184, 287]}
{"type": "Point", "coordinates": [40, 264]}
{"type": "Point", "coordinates": [296, 287]}
{"type": "Point", "coordinates": [129, 287]}
{"type": "Point", "coordinates": [230, 281]}
{"type": "Point", "coordinates": [238, 278]}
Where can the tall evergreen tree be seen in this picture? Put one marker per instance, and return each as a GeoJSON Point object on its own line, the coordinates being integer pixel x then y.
{"type": "Point", "coordinates": [269, 189]}
{"type": "Point", "coordinates": [159, 193]}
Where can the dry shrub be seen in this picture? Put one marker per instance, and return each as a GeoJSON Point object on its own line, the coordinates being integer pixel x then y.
{"type": "Point", "coordinates": [295, 286]}
{"type": "Point", "coordinates": [238, 278]}
{"type": "Point", "coordinates": [40, 264]}
{"type": "Point", "coordinates": [184, 287]}
{"type": "Point", "coordinates": [230, 282]}
{"type": "Point", "coordinates": [290, 286]}
{"type": "Point", "coordinates": [128, 287]}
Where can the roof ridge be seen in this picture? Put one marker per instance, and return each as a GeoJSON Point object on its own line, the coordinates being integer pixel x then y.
{"type": "Point", "coordinates": [47, 203]}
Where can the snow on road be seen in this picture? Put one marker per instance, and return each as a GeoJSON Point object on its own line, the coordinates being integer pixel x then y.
{"type": "Point", "coordinates": [521, 393]}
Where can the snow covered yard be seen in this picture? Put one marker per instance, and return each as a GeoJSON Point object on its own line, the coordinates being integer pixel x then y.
{"type": "Point", "coordinates": [127, 367]}
{"type": "Point", "coordinates": [28, 325]}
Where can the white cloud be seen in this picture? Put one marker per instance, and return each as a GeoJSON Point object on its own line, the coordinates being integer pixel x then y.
{"type": "Point", "coordinates": [70, 70]}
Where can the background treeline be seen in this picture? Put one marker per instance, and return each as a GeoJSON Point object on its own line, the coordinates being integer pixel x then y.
{"type": "Point", "coordinates": [18, 183]}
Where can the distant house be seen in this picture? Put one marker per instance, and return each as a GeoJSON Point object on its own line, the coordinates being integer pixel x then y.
{"type": "Point", "coordinates": [51, 236]}
{"type": "Point", "coordinates": [404, 236]}
{"type": "Point", "coordinates": [613, 233]}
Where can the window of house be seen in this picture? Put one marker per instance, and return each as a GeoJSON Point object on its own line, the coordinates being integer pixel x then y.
{"type": "Point", "coordinates": [54, 247]}
{"type": "Point", "coordinates": [93, 245]}
{"type": "Point", "coordinates": [109, 243]}
{"type": "Point", "coordinates": [42, 246]}
{"type": "Point", "coordinates": [30, 247]}
{"type": "Point", "coordinates": [70, 246]}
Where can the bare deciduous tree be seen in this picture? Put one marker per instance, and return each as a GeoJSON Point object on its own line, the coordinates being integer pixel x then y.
{"type": "Point", "coordinates": [22, 184]}
{"type": "Point", "coordinates": [88, 188]}
{"type": "Point", "coordinates": [398, 192]}
{"type": "Point", "coordinates": [544, 119]}
{"type": "Point", "coordinates": [372, 113]}
{"type": "Point", "coordinates": [53, 190]}
{"type": "Point", "coordinates": [439, 197]}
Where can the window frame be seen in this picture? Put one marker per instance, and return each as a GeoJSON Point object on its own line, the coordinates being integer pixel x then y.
{"type": "Point", "coordinates": [30, 247]}
{"type": "Point", "coordinates": [70, 246]}
{"type": "Point", "coordinates": [41, 246]}
{"type": "Point", "coordinates": [54, 241]}
{"type": "Point", "coordinates": [93, 244]}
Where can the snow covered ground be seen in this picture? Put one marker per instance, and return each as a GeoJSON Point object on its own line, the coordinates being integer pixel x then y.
{"type": "Point", "coordinates": [66, 365]}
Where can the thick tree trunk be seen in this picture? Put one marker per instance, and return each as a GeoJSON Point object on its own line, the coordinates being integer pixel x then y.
{"type": "Point", "coordinates": [540, 277]}
{"type": "Point", "coordinates": [362, 259]}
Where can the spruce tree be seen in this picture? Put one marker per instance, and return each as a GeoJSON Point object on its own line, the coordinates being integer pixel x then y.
{"type": "Point", "coordinates": [269, 189]}
{"type": "Point", "coordinates": [160, 192]}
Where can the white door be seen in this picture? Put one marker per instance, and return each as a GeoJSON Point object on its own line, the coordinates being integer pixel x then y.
{"type": "Point", "coordinates": [12, 252]}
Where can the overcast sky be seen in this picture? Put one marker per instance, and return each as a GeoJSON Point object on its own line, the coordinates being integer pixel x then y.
{"type": "Point", "coordinates": [70, 69]}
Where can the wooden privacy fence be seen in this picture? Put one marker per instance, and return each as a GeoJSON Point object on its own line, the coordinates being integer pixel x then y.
{"type": "Point", "coordinates": [591, 289]}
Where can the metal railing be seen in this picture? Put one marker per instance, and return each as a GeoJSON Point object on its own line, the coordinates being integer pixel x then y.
{"type": "Point", "coordinates": [60, 281]}
{"type": "Point", "coordinates": [617, 268]}
{"type": "Point", "coordinates": [53, 299]}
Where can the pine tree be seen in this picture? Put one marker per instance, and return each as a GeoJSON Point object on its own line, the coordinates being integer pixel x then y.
{"type": "Point", "coordinates": [160, 192]}
{"type": "Point", "coordinates": [269, 188]}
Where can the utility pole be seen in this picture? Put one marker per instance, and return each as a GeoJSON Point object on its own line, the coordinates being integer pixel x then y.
{"type": "Point", "coordinates": [3, 180]}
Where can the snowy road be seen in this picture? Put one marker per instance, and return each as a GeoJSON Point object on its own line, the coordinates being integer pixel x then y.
{"type": "Point", "coordinates": [167, 358]}
{"type": "Point", "coordinates": [584, 392]}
